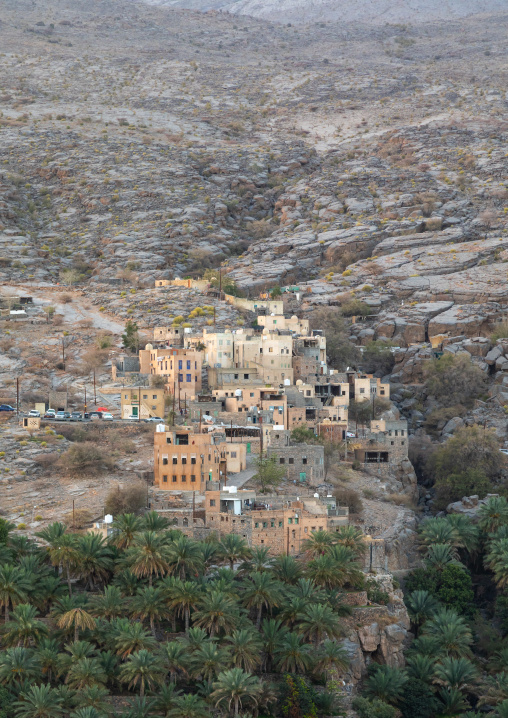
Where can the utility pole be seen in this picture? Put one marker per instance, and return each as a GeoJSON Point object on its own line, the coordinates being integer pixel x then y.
{"type": "Point", "coordinates": [85, 398]}
{"type": "Point", "coordinates": [17, 395]}
{"type": "Point", "coordinates": [260, 437]}
{"type": "Point", "coordinates": [174, 392]}
{"type": "Point", "coordinates": [220, 283]}
{"type": "Point", "coordinates": [73, 516]}
{"type": "Point", "coordinates": [94, 390]}
{"type": "Point", "coordinates": [214, 315]}
{"type": "Point", "coordinates": [200, 421]}
{"type": "Point", "coordinates": [63, 352]}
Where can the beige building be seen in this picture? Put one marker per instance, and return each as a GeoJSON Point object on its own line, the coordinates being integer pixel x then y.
{"type": "Point", "coordinates": [180, 367]}
{"type": "Point", "coordinates": [366, 387]}
{"type": "Point", "coordinates": [235, 455]}
{"type": "Point", "coordinates": [278, 322]}
{"type": "Point", "coordinates": [241, 400]}
{"type": "Point", "coordinates": [271, 354]}
{"type": "Point", "coordinates": [184, 461]}
{"type": "Point", "coordinates": [254, 305]}
{"type": "Point", "coordinates": [142, 401]}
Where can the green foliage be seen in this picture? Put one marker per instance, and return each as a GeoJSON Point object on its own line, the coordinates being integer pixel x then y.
{"type": "Point", "coordinates": [453, 487]}
{"type": "Point", "coordinates": [456, 590]}
{"type": "Point", "coordinates": [269, 474]}
{"type": "Point", "coordinates": [418, 700]}
{"type": "Point", "coordinates": [454, 379]}
{"type": "Point", "coordinates": [471, 448]}
{"type": "Point", "coordinates": [303, 435]}
{"type": "Point", "coordinates": [5, 527]}
{"type": "Point", "coordinates": [341, 353]}
{"type": "Point", "coordinates": [297, 699]}
{"type": "Point", "coordinates": [130, 338]}
{"type": "Point", "coordinates": [375, 593]}
{"type": "Point", "coordinates": [374, 708]}
{"type": "Point", "coordinates": [355, 308]}
{"type": "Point", "coordinates": [377, 357]}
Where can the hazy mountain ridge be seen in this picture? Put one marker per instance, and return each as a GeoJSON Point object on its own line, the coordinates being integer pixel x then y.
{"type": "Point", "coordinates": [374, 11]}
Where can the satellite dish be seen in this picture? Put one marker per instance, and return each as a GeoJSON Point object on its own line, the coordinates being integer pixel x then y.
{"type": "Point", "coordinates": [316, 496]}
{"type": "Point", "coordinates": [108, 519]}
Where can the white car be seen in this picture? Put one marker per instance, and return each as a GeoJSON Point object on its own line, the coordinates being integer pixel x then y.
{"type": "Point", "coordinates": [350, 435]}
{"type": "Point", "coordinates": [34, 412]}
{"type": "Point", "coordinates": [107, 416]}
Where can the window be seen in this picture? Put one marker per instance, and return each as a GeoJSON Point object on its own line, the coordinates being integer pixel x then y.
{"type": "Point", "coordinates": [174, 478]}
{"type": "Point", "coordinates": [175, 460]}
{"type": "Point", "coordinates": [362, 391]}
{"type": "Point", "coordinates": [154, 396]}
{"type": "Point", "coordinates": [184, 478]}
{"type": "Point", "coordinates": [280, 524]}
{"type": "Point", "coordinates": [392, 443]}
{"type": "Point", "coordinates": [233, 454]}
{"type": "Point", "coordinates": [165, 478]}
{"type": "Point", "coordinates": [304, 460]}
{"type": "Point", "coordinates": [272, 524]}
{"type": "Point", "coordinates": [296, 519]}
{"type": "Point", "coordinates": [256, 525]}
{"type": "Point", "coordinates": [193, 478]}
{"type": "Point", "coordinates": [265, 524]}
{"type": "Point", "coordinates": [188, 364]}
{"type": "Point", "coordinates": [252, 393]}
{"type": "Point", "coordinates": [282, 461]}
{"type": "Point", "coordinates": [245, 376]}
{"type": "Point", "coordinates": [189, 378]}
{"type": "Point", "coordinates": [402, 432]}
{"type": "Point", "coordinates": [291, 460]}
{"type": "Point", "coordinates": [290, 521]}
{"type": "Point", "coordinates": [145, 396]}
{"type": "Point", "coordinates": [165, 461]}
{"type": "Point", "coordinates": [184, 459]}
{"type": "Point", "coordinates": [270, 350]}
{"type": "Point", "coordinates": [180, 377]}
{"type": "Point", "coordinates": [168, 440]}
{"type": "Point", "coordinates": [305, 530]}
{"type": "Point", "coordinates": [180, 364]}
{"type": "Point", "coordinates": [193, 460]}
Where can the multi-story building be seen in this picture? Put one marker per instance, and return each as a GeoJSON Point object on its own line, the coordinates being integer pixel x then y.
{"type": "Point", "coordinates": [180, 367]}
{"type": "Point", "coordinates": [271, 354]}
{"type": "Point", "coordinates": [364, 387]}
{"type": "Point", "coordinates": [184, 461]}
{"type": "Point", "coordinates": [303, 463]}
{"type": "Point", "coordinates": [278, 322]}
{"type": "Point", "coordinates": [142, 401]}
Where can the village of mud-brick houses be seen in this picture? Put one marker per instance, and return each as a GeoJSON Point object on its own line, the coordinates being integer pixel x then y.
{"type": "Point", "coordinates": [236, 395]}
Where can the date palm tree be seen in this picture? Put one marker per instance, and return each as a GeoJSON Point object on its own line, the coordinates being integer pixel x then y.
{"type": "Point", "coordinates": [209, 660]}
{"type": "Point", "coordinates": [233, 548]}
{"type": "Point", "coordinates": [260, 560]}
{"type": "Point", "coordinates": [497, 561]}
{"type": "Point", "coordinates": [49, 589]}
{"type": "Point", "coordinates": [48, 652]}
{"type": "Point", "coordinates": [493, 514]}
{"type": "Point", "coordinates": [262, 591]}
{"type": "Point", "coordinates": [128, 638]}
{"type": "Point", "coordinates": [107, 605]}
{"type": "Point", "coordinates": [125, 528]}
{"type": "Point", "coordinates": [292, 611]}
{"type": "Point", "coordinates": [317, 621]}
{"type": "Point", "coordinates": [452, 701]}
{"type": "Point", "coordinates": [61, 549]}
{"type": "Point", "coordinates": [234, 688]}
{"type": "Point", "coordinates": [175, 658]}
{"type": "Point", "coordinates": [318, 543]}
{"type": "Point", "coordinates": [272, 634]}
{"type": "Point", "coordinates": [286, 569]}
{"type": "Point", "coordinates": [450, 633]}
{"type": "Point", "coordinates": [127, 582]}
{"type": "Point", "coordinates": [153, 521]}
{"type": "Point", "coordinates": [71, 613]}
{"type": "Point", "coordinates": [467, 532]}
{"type": "Point", "coordinates": [95, 697]}
{"type": "Point", "coordinates": [39, 702]}
{"type": "Point", "coordinates": [141, 669]}
{"type": "Point", "coordinates": [94, 559]}
{"type": "Point", "coordinates": [421, 605]}
{"type": "Point", "coordinates": [306, 589]}
{"type": "Point", "coordinates": [18, 665]}
{"type": "Point", "coordinates": [88, 712]}
{"type": "Point", "coordinates": [246, 648]}
{"type": "Point", "coordinates": [353, 538]}
{"type": "Point", "coordinates": [189, 706]}
{"type": "Point", "coordinates": [164, 698]}
{"type": "Point", "coordinates": [84, 673]}
{"type": "Point", "coordinates": [387, 684]}
{"type": "Point", "coordinates": [331, 657]}
{"type": "Point", "coordinates": [147, 557]}
{"type": "Point", "coordinates": [149, 605]}
{"type": "Point", "coordinates": [438, 530]}
{"type": "Point", "coordinates": [14, 587]}
{"type": "Point", "coordinates": [455, 673]}
{"type": "Point", "coordinates": [421, 667]}
{"type": "Point", "coordinates": [184, 557]}
{"type": "Point", "coordinates": [441, 555]}
{"type": "Point", "coordinates": [293, 655]}
{"type": "Point", "coordinates": [217, 612]}
{"type": "Point", "coordinates": [184, 596]}
{"type": "Point", "coordinates": [24, 629]}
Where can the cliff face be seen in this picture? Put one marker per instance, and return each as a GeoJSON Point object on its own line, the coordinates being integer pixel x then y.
{"type": "Point", "coordinates": [376, 633]}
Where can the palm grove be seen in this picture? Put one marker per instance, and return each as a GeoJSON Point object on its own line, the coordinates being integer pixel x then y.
{"type": "Point", "coordinates": [152, 623]}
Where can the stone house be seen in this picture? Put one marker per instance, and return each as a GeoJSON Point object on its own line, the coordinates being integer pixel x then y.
{"type": "Point", "coordinates": [384, 447]}
{"type": "Point", "coordinates": [303, 463]}
{"type": "Point", "coordinates": [278, 322]}
{"type": "Point", "coordinates": [174, 336]}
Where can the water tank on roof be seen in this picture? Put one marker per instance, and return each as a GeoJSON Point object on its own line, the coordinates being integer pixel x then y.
{"type": "Point", "coordinates": [149, 347]}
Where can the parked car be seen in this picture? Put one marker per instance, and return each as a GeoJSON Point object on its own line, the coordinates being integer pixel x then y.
{"type": "Point", "coordinates": [76, 416]}
{"type": "Point", "coordinates": [34, 412]}
{"type": "Point", "coordinates": [50, 414]}
{"type": "Point", "coordinates": [158, 419]}
{"type": "Point", "coordinates": [6, 407]}
{"type": "Point", "coordinates": [350, 435]}
{"type": "Point", "coordinates": [107, 416]}
{"type": "Point", "coordinates": [60, 415]}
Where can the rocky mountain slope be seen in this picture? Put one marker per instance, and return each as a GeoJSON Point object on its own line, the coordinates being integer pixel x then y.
{"type": "Point", "coordinates": [370, 11]}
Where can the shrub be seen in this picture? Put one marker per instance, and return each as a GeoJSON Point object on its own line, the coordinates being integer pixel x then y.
{"type": "Point", "coordinates": [125, 500]}
{"type": "Point", "coordinates": [79, 519]}
{"type": "Point", "coordinates": [21, 526]}
{"type": "Point", "coordinates": [377, 357]}
{"type": "Point", "coordinates": [349, 498]}
{"type": "Point", "coordinates": [373, 708]}
{"type": "Point", "coordinates": [355, 308]}
{"type": "Point", "coordinates": [84, 457]}
{"type": "Point", "coordinates": [454, 486]}
{"type": "Point", "coordinates": [500, 332]}
{"type": "Point", "coordinates": [375, 593]}
{"type": "Point", "coordinates": [471, 448]}
{"type": "Point", "coordinates": [454, 380]}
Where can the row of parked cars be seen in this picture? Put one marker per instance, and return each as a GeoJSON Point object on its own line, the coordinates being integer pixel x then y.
{"type": "Point", "coordinates": [78, 416]}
